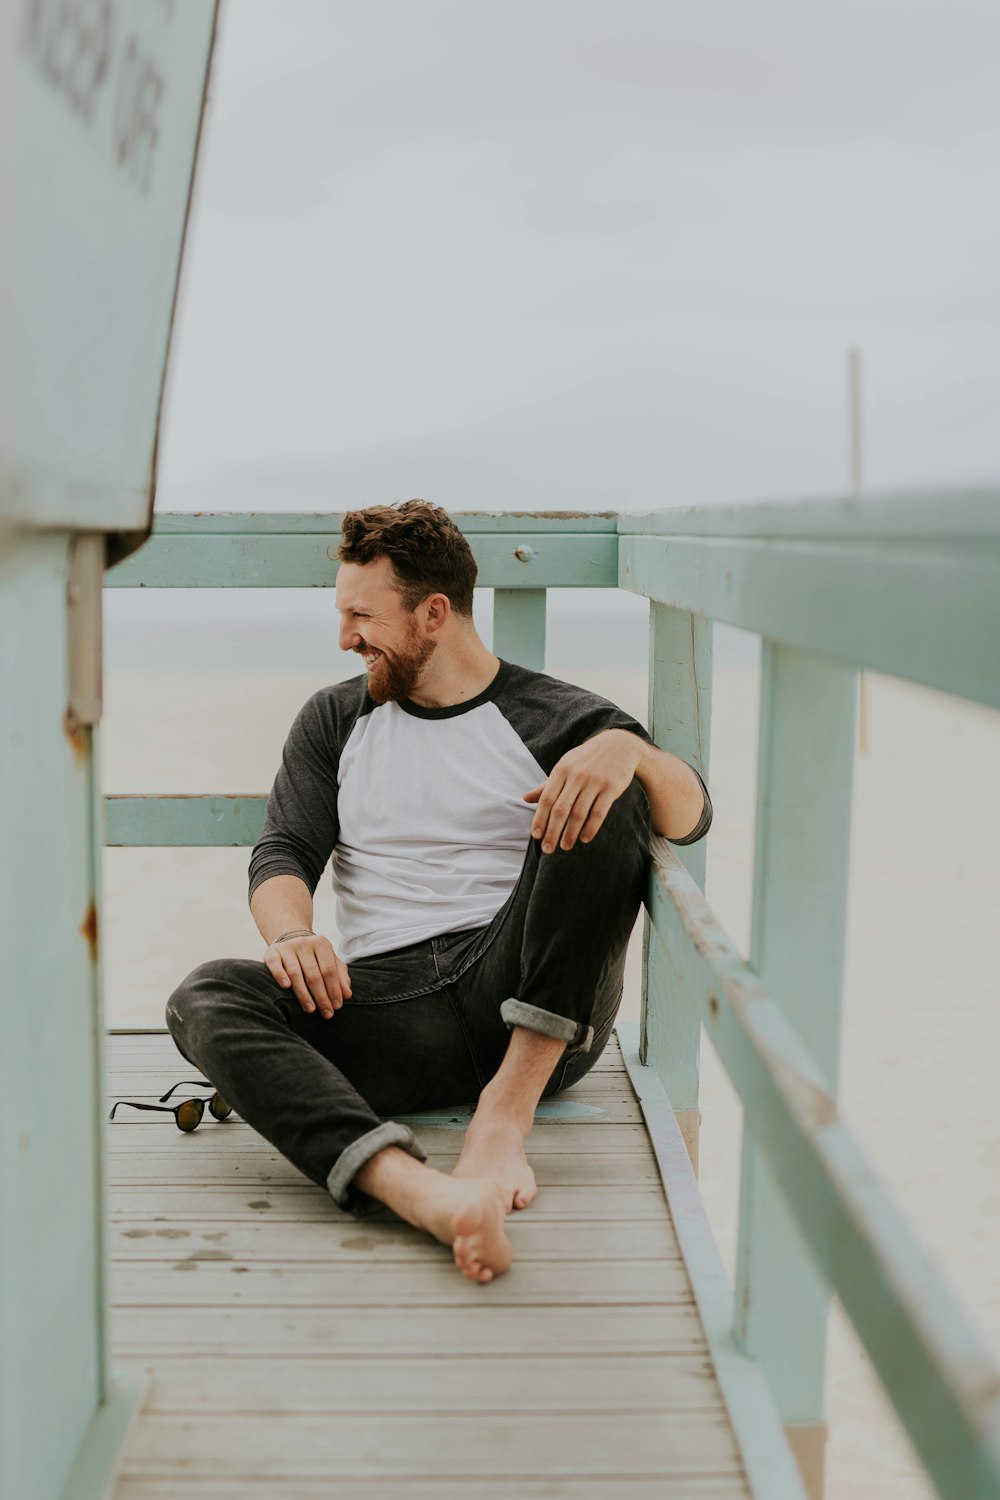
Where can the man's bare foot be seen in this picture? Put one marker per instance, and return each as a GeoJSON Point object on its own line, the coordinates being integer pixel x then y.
{"type": "Point", "coordinates": [469, 1217]}
{"type": "Point", "coordinates": [495, 1150]}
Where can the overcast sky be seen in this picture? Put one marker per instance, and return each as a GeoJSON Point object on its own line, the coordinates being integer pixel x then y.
{"type": "Point", "coordinates": [582, 253]}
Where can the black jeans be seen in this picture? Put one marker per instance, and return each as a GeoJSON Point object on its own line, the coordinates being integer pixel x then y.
{"type": "Point", "coordinates": [426, 1026]}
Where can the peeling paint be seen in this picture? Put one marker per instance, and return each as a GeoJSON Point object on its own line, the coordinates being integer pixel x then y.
{"type": "Point", "coordinates": [544, 515]}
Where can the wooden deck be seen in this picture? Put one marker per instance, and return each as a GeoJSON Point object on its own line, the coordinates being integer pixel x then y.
{"type": "Point", "coordinates": [293, 1351]}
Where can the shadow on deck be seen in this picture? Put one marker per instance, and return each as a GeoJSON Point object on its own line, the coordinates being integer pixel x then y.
{"type": "Point", "coordinates": [293, 1351]}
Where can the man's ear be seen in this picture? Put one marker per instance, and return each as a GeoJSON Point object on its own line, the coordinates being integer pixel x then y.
{"type": "Point", "coordinates": [437, 612]}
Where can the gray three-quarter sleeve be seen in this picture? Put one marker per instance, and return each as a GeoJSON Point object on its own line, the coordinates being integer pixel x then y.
{"type": "Point", "coordinates": [705, 821]}
{"type": "Point", "coordinates": [301, 825]}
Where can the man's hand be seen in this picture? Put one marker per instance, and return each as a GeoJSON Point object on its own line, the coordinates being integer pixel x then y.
{"type": "Point", "coordinates": [581, 788]}
{"type": "Point", "coordinates": [309, 967]}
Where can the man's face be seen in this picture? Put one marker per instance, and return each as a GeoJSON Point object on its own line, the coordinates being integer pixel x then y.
{"type": "Point", "coordinates": [375, 624]}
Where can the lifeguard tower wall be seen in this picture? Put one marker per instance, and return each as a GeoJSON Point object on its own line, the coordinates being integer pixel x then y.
{"type": "Point", "coordinates": [100, 118]}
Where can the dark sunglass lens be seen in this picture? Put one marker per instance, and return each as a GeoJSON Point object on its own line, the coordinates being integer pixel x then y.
{"type": "Point", "coordinates": [189, 1113]}
{"type": "Point", "coordinates": [219, 1107]}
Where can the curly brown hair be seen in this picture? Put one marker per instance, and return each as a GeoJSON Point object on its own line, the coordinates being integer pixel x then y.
{"type": "Point", "coordinates": [428, 553]}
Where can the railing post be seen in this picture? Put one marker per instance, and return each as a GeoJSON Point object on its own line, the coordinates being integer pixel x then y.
{"type": "Point", "coordinates": [519, 626]}
{"type": "Point", "coordinates": [680, 714]}
{"type": "Point", "coordinates": [805, 770]}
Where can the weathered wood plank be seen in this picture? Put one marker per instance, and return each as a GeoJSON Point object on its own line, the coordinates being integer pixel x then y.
{"type": "Point", "coordinates": [387, 1240]}
{"type": "Point", "coordinates": [489, 1329]}
{"type": "Point", "coordinates": [149, 1048]}
{"type": "Point", "coordinates": [561, 1108]}
{"type": "Point", "coordinates": [274, 1387]}
{"type": "Point", "coordinates": [192, 1282]}
{"type": "Point", "coordinates": [269, 1168]}
{"type": "Point", "coordinates": [144, 1079]}
{"type": "Point", "coordinates": [332, 1487]}
{"type": "Point", "coordinates": [452, 1446]}
{"type": "Point", "coordinates": [162, 1205]}
{"type": "Point", "coordinates": [551, 1137]}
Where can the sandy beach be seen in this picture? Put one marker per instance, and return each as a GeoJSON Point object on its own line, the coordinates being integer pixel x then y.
{"type": "Point", "coordinates": [921, 1020]}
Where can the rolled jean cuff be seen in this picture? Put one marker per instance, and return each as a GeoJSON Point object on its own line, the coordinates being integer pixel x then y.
{"type": "Point", "coordinates": [353, 1157]}
{"type": "Point", "coordinates": [576, 1034]}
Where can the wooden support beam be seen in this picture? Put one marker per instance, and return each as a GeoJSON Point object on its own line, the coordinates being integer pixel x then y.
{"type": "Point", "coordinates": [804, 778]}
{"type": "Point", "coordinates": [183, 821]}
{"type": "Point", "coordinates": [680, 712]}
{"type": "Point", "coordinates": [519, 627]}
{"type": "Point", "coordinates": [523, 559]}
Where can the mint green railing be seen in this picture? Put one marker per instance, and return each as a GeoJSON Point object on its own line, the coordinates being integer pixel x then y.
{"type": "Point", "coordinates": [907, 586]}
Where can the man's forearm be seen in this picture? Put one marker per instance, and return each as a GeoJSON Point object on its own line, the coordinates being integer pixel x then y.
{"type": "Point", "coordinates": [283, 903]}
{"type": "Point", "coordinates": [676, 800]}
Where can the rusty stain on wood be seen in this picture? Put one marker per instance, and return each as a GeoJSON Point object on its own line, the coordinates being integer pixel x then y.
{"type": "Point", "coordinates": [88, 927]}
{"type": "Point", "coordinates": [76, 735]}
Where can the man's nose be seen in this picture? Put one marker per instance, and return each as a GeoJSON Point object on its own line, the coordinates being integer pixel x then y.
{"type": "Point", "coordinates": [349, 638]}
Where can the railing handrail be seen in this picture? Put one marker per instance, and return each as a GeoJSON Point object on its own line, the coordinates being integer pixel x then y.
{"type": "Point", "coordinates": [972, 513]}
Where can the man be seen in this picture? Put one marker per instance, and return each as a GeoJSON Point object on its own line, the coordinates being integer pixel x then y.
{"type": "Point", "coordinates": [489, 830]}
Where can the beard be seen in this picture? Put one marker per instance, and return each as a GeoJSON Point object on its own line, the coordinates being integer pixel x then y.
{"type": "Point", "coordinates": [393, 678]}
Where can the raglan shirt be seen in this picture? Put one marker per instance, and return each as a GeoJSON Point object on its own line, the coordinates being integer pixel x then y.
{"type": "Point", "coordinates": [422, 809]}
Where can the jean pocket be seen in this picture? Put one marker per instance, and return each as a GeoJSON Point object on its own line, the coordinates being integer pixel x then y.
{"type": "Point", "coordinates": [400, 974]}
{"type": "Point", "coordinates": [452, 950]}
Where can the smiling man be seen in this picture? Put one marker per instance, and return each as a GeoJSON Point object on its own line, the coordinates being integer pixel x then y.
{"type": "Point", "coordinates": [489, 832]}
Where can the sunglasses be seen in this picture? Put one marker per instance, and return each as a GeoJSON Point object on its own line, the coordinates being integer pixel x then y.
{"type": "Point", "coordinates": [187, 1116]}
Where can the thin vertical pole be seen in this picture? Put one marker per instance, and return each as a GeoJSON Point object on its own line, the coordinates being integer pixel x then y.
{"type": "Point", "coordinates": [857, 479]}
{"type": "Point", "coordinates": [854, 389]}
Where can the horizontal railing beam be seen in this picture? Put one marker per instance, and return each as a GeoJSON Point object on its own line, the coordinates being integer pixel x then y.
{"type": "Point", "coordinates": [183, 822]}
{"type": "Point", "coordinates": [929, 612]}
{"type": "Point", "coordinates": [938, 1374]}
{"type": "Point", "coordinates": [948, 514]}
{"type": "Point", "coordinates": [525, 559]}
{"type": "Point", "coordinates": [473, 522]}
